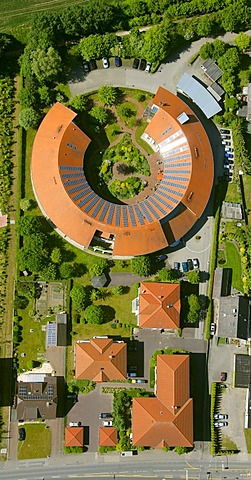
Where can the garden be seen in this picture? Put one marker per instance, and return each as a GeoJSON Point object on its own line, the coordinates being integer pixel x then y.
{"type": "Point", "coordinates": [37, 443]}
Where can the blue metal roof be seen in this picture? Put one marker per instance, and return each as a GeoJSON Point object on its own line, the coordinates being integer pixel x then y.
{"type": "Point", "coordinates": [199, 94]}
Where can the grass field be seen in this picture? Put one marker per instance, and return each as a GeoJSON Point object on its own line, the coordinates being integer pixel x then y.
{"type": "Point", "coordinates": [234, 262]}
{"type": "Point", "coordinates": [15, 13]}
{"type": "Point", "coordinates": [37, 443]}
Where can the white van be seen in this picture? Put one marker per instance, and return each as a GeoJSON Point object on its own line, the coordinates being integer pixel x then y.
{"type": "Point", "coordinates": [107, 423]}
{"type": "Point", "coordinates": [129, 453]}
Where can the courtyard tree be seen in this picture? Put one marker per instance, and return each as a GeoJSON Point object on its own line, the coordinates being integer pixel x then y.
{"type": "Point", "coordinates": [99, 115]}
{"type": "Point", "coordinates": [141, 265]}
{"type": "Point", "coordinates": [78, 103]}
{"type": "Point", "coordinates": [94, 314]}
{"type": "Point", "coordinates": [107, 95]}
{"type": "Point", "coordinates": [29, 118]}
{"type": "Point", "coordinates": [79, 297]}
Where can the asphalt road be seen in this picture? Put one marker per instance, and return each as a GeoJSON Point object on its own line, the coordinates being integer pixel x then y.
{"type": "Point", "coordinates": [158, 467]}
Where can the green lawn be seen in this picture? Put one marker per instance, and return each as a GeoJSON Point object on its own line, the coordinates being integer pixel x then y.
{"type": "Point", "coordinates": [139, 130]}
{"type": "Point", "coordinates": [234, 262]}
{"type": "Point", "coordinates": [227, 443]}
{"type": "Point", "coordinates": [247, 432]}
{"type": "Point", "coordinates": [18, 12]}
{"type": "Point", "coordinates": [233, 193]}
{"type": "Point", "coordinates": [37, 443]}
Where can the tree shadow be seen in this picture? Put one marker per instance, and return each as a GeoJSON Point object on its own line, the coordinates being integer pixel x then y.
{"type": "Point", "coordinates": [80, 269]}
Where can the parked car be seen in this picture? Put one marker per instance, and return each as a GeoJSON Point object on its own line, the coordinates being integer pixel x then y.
{"type": "Point", "coordinates": [135, 63]}
{"type": "Point", "coordinates": [74, 424]}
{"type": "Point", "coordinates": [226, 137]}
{"type": "Point", "coordinates": [212, 328]}
{"type": "Point", "coordinates": [190, 264]}
{"type": "Point", "coordinates": [184, 267]}
{"type": "Point", "coordinates": [223, 376]}
{"type": "Point", "coordinates": [160, 258]}
{"type": "Point", "coordinates": [176, 265]}
{"type": "Point", "coordinates": [118, 62]}
{"type": "Point", "coordinates": [148, 67]}
{"type": "Point", "coordinates": [139, 380]}
{"type": "Point", "coordinates": [229, 149]}
{"type": "Point", "coordinates": [229, 155]}
{"type": "Point", "coordinates": [220, 424]}
{"type": "Point", "coordinates": [224, 130]}
{"type": "Point", "coordinates": [129, 453]}
{"type": "Point", "coordinates": [224, 142]}
{"type": "Point", "coordinates": [105, 62]}
{"type": "Point", "coordinates": [72, 397]}
{"type": "Point", "coordinates": [93, 65]}
{"type": "Point", "coordinates": [220, 416]}
{"type": "Point", "coordinates": [107, 423]}
{"type": "Point", "coordinates": [86, 66]}
{"type": "Point", "coordinates": [21, 434]}
{"type": "Point", "coordinates": [105, 415]}
{"type": "Point", "coordinates": [196, 263]}
{"type": "Point", "coordinates": [142, 64]}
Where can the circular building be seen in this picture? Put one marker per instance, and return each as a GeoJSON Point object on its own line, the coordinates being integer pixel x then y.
{"type": "Point", "coordinates": [86, 220]}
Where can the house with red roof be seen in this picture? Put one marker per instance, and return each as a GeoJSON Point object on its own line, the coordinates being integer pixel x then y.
{"type": "Point", "coordinates": [108, 436]}
{"type": "Point", "coordinates": [100, 359]}
{"type": "Point", "coordinates": [158, 305]}
{"type": "Point", "coordinates": [74, 436]}
{"type": "Point", "coordinates": [165, 420]}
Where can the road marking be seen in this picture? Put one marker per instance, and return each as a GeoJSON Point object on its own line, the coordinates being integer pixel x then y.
{"type": "Point", "coordinates": [191, 466]}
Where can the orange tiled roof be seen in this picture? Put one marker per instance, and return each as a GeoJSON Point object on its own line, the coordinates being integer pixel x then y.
{"type": "Point", "coordinates": [108, 436]}
{"type": "Point", "coordinates": [65, 197]}
{"type": "Point", "coordinates": [74, 436]}
{"type": "Point", "coordinates": [159, 305]}
{"type": "Point", "coordinates": [158, 422]}
{"type": "Point", "coordinates": [101, 360]}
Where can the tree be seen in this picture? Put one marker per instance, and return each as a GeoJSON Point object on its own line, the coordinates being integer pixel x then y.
{"type": "Point", "coordinates": [124, 111]}
{"type": "Point", "coordinates": [94, 314]}
{"type": "Point", "coordinates": [46, 63]}
{"type": "Point", "coordinates": [107, 95]}
{"type": "Point", "coordinates": [79, 297]}
{"type": "Point", "coordinates": [166, 275]}
{"type": "Point", "coordinates": [181, 450]}
{"type": "Point", "coordinates": [28, 225]}
{"type": "Point", "coordinates": [44, 94]}
{"type": "Point", "coordinates": [21, 302]}
{"type": "Point", "coordinates": [96, 294]}
{"type": "Point", "coordinates": [99, 114]}
{"type": "Point", "coordinates": [194, 308]}
{"type": "Point", "coordinates": [66, 270]}
{"type": "Point", "coordinates": [205, 26]}
{"type": "Point", "coordinates": [99, 267]}
{"type": "Point", "coordinates": [118, 290]}
{"type": "Point", "coordinates": [242, 41]}
{"type": "Point", "coordinates": [50, 272]}
{"type": "Point", "coordinates": [141, 266]}
{"type": "Point", "coordinates": [156, 44]}
{"type": "Point", "coordinates": [25, 204]}
{"type": "Point", "coordinates": [193, 276]}
{"type": "Point", "coordinates": [56, 256]}
{"type": "Point", "coordinates": [28, 118]}
{"type": "Point", "coordinates": [78, 103]}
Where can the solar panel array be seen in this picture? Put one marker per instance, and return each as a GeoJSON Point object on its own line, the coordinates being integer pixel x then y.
{"type": "Point", "coordinates": [168, 192]}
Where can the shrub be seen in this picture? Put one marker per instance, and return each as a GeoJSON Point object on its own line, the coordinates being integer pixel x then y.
{"type": "Point", "coordinates": [141, 265]}
{"type": "Point", "coordinates": [118, 290]}
{"type": "Point", "coordinates": [94, 314]}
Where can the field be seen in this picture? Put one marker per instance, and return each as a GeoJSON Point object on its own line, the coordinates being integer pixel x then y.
{"type": "Point", "coordinates": [15, 13]}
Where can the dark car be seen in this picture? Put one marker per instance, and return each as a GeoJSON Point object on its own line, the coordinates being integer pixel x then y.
{"type": "Point", "coordinates": [190, 264]}
{"type": "Point", "coordinates": [86, 66]}
{"type": "Point", "coordinates": [226, 137]}
{"type": "Point", "coordinates": [176, 265]}
{"type": "Point", "coordinates": [229, 155]}
{"type": "Point", "coordinates": [160, 258]}
{"type": "Point", "coordinates": [105, 415]}
{"type": "Point", "coordinates": [223, 376]}
{"type": "Point", "coordinates": [118, 62]}
{"type": "Point", "coordinates": [21, 434]}
{"type": "Point", "coordinates": [142, 64]}
{"type": "Point", "coordinates": [135, 63]}
{"type": "Point", "coordinates": [93, 65]}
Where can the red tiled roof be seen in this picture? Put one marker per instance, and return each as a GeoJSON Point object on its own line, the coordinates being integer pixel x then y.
{"type": "Point", "coordinates": [159, 305]}
{"type": "Point", "coordinates": [108, 436]}
{"type": "Point", "coordinates": [74, 436]}
{"type": "Point", "coordinates": [58, 153]}
{"type": "Point", "coordinates": [101, 360]}
{"type": "Point", "coordinates": [158, 422]}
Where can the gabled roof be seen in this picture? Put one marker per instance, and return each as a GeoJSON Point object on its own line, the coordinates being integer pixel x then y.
{"type": "Point", "coordinates": [159, 305]}
{"type": "Point", "coordinates": [37, 399]}
{"type": "Point", "coordinates": [108, 436]}
{"type": "Point", "coordinates": [74, 436]}
{"type": "Point", "coordinates": [166, 420]}
{"type": "Point", "coordinates": [101, 360]}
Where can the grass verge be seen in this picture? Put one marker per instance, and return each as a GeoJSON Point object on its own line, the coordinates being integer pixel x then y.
{"type": "Point", "coordinates": [234, 262]}
{"type": "Point", "coordinates": [247, 432]}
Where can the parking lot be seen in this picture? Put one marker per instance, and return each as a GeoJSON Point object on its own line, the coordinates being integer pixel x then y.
{"type": "Point", "coordinates": [221, 359]}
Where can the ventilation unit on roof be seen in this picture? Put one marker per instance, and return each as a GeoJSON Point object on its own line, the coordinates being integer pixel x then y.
{"type": "Point", "coordinates": [143, 291]}
{"type": "Point", "coordinates": [189, 197]}
{"type": "Point", "coordinates": [170, 305]}
{"type": "Point", "coordinates": [183, 118]}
